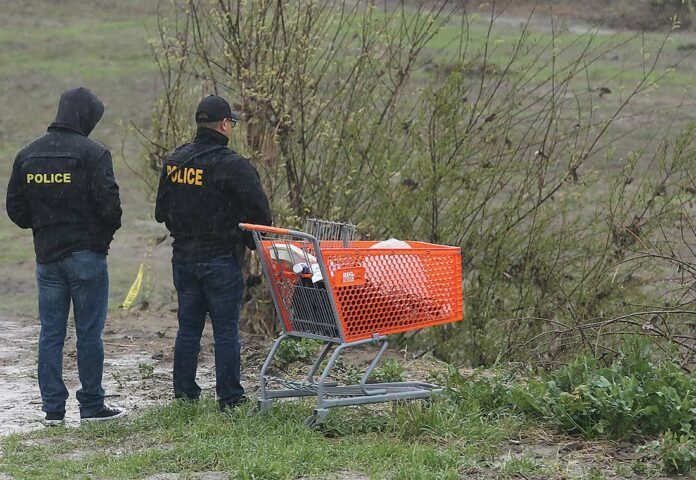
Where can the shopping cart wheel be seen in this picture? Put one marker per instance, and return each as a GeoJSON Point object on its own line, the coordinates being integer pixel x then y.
{"type": "Point", "coordinates": [317, 417]}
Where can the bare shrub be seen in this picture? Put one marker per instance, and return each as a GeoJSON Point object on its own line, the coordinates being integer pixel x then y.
{"type": "Point", "coordinates": [411, 121]}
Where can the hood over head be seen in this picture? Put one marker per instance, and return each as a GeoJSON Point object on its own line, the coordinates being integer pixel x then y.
{"type": "Point", "coordinates": [79, 110]}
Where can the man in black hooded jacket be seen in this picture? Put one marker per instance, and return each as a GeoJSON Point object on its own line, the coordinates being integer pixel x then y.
{"type": "Point", "coordinates": [205, 191]}
{"type": "Point", "coordinates": [63, 187]}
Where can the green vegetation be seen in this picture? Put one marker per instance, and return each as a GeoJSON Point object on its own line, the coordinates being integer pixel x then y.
{"type": "Point", "coordinates": [190, 438]}
{"type": "Point", "coordinates": [630, 397]}
{"type": "Point", "coordinates": [296, 349]}
{"type": "Point", "coordinates": [560, 162]}
{"type": "Point", "coordinates": [389, 370]}
{"type": "Point", "coordinates": [678, 452]}
{"type": "Point", "coordinates": [477, 424]}
{"type": "Point", "coordinates": [625, 399]}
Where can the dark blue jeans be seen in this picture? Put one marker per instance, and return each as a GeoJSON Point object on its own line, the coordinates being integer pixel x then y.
{"type": "Point", "coordinates": [83, 279]}
{"type": "Point", "coordinates": [214, 287]}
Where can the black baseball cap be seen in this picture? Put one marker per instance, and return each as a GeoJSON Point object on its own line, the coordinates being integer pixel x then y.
{"type": "Point", "coordinates": [214, 109]}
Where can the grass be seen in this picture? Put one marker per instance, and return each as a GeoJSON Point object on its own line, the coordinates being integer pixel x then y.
{"type": "Point", "coordinates": [439, 440]}
{"type": "Point", "coordinates": [180, 438]}
{"type": "Point", "coordinates": [45, 48]}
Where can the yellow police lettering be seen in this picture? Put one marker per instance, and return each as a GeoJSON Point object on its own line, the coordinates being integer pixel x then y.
{"type": "Point", "coordinates": [48, 178]}
{"type": "Point", "coordinates": [186, 175]}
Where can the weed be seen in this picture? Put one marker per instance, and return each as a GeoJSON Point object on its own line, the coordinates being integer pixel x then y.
{"type": "Point", "coordinates": [479, 392]}
{"type": "Point", "coordinates": [594, 474]}
{"type": "Point", "coordinates": [639, 468]}
{"type": "Point", "coordinates": [520, 466]}
{"type": "Point", "coordinates": [677, 451]}
{"type": "Point", "coordinates": [349, 373]}
{"type": "Point", "coordinates": [293, 350]}
{"type": "Point", "coordinates": [631, 396]}
{"type": "Point", "coordinates": [390, 371]}
{"type": "Point", "coordinates": [118, 377]}
{"type": "Point", "coordinates": [146, 370]}
{"type": "Point", "coordinates": [621, 470]}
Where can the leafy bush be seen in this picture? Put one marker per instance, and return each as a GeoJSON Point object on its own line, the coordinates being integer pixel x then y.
{"type": "Point", "coordinates": [632, 396]}
{"type": "Point", "coordinates": [678, 452]}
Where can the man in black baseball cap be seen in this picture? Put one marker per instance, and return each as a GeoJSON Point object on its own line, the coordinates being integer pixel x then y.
{"type": "Point", "coordinates": [205, 191]}
{"type": "Point", "coordinates": [214, 109]}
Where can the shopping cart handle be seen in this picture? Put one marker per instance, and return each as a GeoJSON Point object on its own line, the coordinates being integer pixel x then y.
{"type": "Point", "coordinates": [264, 228]}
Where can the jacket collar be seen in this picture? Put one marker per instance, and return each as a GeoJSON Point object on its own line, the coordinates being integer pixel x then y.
{"type": "Point", "coordinates": [60, 126]}
{"type": "Point", "coordinates": [206, 135]}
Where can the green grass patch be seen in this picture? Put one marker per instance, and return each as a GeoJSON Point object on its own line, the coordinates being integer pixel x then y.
{"type": "Point", "coordinates": [115, 49]}
{"type": "Point", "coordinates": [183, 438]}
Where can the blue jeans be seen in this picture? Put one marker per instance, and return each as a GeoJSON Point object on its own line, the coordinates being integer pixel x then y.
{"type": "Point", "coordinates": [83, 279]}
{"type": "Point", "coordinates": [214, 287]}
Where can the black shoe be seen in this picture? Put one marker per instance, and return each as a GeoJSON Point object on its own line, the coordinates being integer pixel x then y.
{"type": "Point", "coordinates": [104, 415]}
{"type": "Point", "coordinates": [54, 419]}
{"type": "Point", "coordinates": [229, 406]}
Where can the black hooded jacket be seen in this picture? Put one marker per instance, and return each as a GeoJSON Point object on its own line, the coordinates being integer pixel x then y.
{"type": "Point", "coordinates": [205, 191]}
{"type": "Point", "coordinates": [62, 184]}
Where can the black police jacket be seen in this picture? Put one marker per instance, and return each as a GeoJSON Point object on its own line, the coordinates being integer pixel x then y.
{"type": "Point", "coordinates": [205, 191]}
{"type": "Point", "coordinates": [62, 184]}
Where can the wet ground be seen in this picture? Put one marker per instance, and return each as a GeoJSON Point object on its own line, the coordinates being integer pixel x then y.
{"type": "Point", "coordinates": [137, 367]}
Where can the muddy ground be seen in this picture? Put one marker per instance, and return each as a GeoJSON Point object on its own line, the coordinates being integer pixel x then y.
{"type": "Point", "coordinates": [137, 367]}
{"type": "Point", "coordinates": [137, 371]}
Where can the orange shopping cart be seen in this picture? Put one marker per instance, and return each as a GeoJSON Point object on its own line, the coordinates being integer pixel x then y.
{"type": "Point", "coordinates": [327, 286]}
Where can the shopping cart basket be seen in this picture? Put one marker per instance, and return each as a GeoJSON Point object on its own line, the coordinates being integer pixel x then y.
{"type": "Point", "coordinates": [329, 287]}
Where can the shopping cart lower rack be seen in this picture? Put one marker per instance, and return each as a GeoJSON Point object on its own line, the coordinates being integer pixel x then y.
{"type": "Point", "coordinates": [329, 287]}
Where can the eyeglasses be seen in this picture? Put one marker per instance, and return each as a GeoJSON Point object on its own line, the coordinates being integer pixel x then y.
{"type": "Point", "coordinates": [232, 121]}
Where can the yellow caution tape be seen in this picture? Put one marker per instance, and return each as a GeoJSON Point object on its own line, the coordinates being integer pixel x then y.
{"type": "Point", "coordinates": [134, 289]}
